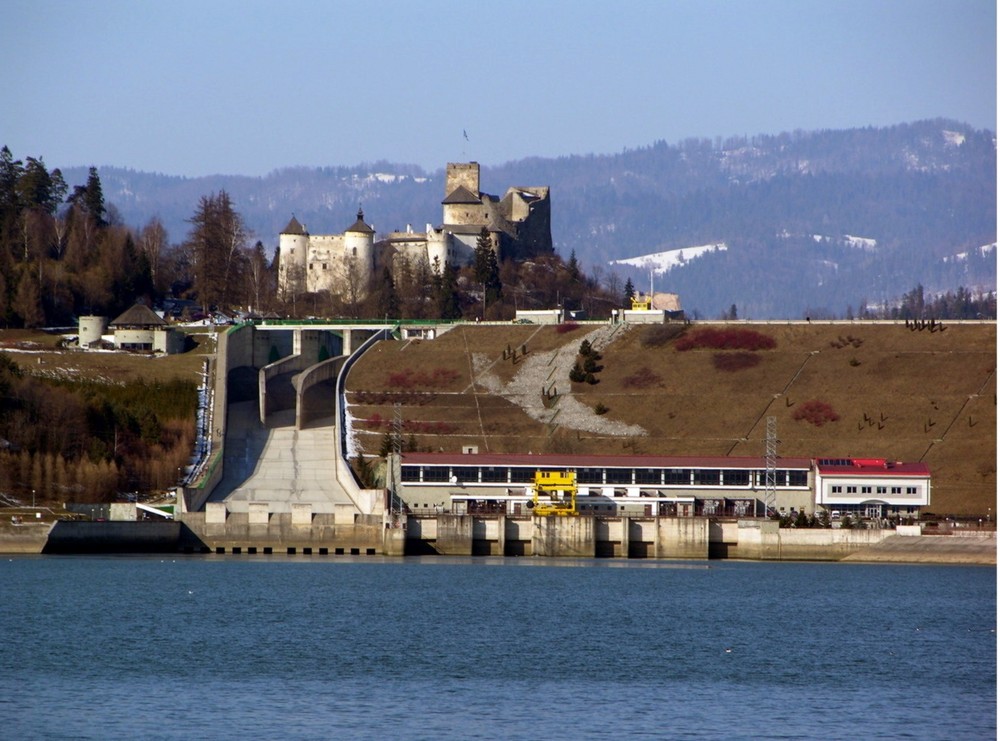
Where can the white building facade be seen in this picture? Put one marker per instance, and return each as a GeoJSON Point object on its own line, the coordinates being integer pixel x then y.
{"type": "Point", "coordinates": [872, 487]}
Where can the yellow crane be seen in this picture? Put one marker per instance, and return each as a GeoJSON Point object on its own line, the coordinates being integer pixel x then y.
{"type": "Point", "coordinates": [554, 494]}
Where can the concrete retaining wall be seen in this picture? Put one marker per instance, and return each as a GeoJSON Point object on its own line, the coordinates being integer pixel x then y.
{"type": "Point", "coordinates": [313, 376]}
{"type": "Point", "coordinates": [564, 536]}
{"type": "Point", "coordinates": [765, 541]}
{"type": "Point", "coordinates": [215, 531]}
{"type": "Point", "coordinates": [113, 537]}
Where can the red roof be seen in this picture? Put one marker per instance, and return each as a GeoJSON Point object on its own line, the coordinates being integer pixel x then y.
{"type": "Point", "coordinates": [870, 467]}
{"type": "Point", "coordinates": [597, 461]}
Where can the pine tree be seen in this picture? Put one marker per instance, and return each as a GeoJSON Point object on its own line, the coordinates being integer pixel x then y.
{"type": "Point", "coordinates": [629, 293]}
{"type": "Point", "coordinates": [487, 270]}
{"type": "Point", "coordinates": [89, 198]}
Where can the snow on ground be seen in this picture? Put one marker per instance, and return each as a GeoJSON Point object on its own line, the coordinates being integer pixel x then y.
{"type": "Point", "coordinates": [663, 262]}
{"type": "Point", "coordinates": [860, 243]}
{"type": "Point", "coordinates": [954, 138]}
{"type": "Point", "coordinates": [963, 256]}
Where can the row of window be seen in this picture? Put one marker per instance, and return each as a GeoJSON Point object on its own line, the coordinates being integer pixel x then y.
{"type": "Point", "coordinates": [841, 489]}
{"type": "Point", "coordinates": [621, 476]}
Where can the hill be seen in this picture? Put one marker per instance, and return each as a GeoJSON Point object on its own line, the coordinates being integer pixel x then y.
{"type": "Point", "coordinates": [815, 223]}
{"type": "Point", "coordinates": [835, 389]}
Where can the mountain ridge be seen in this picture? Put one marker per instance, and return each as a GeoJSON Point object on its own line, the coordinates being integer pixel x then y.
{"type": "Point", "coordinates": [923, 192]}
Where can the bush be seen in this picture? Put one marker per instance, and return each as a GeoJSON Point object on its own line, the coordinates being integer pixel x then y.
{"type": "Point", "coordinates": [576, 374]}
{"type": "Point", "coordinates": [734, 361]}
{"type": "Point", "coordinates": [725, 339]}
{"type": "Point", "coordinates": [600, 408]}
{"type": "Point", "coordinates": [815, 412]}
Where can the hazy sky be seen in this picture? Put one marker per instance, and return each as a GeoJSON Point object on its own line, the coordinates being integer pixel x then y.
{"type": "Point", "coordinates": [196, 87]}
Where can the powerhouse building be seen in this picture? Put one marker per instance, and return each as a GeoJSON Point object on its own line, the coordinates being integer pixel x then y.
{"type": "Point", "coordinates": [682, 486]}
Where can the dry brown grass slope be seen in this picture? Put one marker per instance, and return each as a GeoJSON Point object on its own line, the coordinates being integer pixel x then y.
{"type": "Point", "coordinates": [900, 394]}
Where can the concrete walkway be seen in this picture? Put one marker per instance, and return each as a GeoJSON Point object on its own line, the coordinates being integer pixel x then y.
{"type": "Point", "coordinates": [278, 464]}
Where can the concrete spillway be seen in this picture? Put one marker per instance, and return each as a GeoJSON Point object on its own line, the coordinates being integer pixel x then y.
{"type": "Point", "coordinates": [277, 463]}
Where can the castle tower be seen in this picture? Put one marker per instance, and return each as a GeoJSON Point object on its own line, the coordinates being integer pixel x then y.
{"type": "Point", "coordinates": [359, 250]}
{"type": "Point", "coordinates": [462, 174]}
{"type": "Point", "coordinates": [463, 204]}
{"type": "Point", "coordinates": [293, 248]}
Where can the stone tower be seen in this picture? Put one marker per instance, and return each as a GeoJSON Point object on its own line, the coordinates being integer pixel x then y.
{"type": "Point", "coordinates": [293, 249]}
{"type": "Point", "coordinates": [463, 203]}
{"type": "Point", "coordinates": [359, 248]}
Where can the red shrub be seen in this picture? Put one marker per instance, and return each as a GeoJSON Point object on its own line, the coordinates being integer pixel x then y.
{"type": "Point", "coordinates": [731, 338]}
{"type": "Point", "coordinates": [566, 327]}
{"type": "Point", "coordinates": [815, 412]}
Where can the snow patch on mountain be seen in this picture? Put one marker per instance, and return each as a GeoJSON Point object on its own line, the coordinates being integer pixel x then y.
{"type": "Point", "coordinates": [953, 138]}
{"type": "Point", "coordinates": [963, 256]}
{"type": "Point", "coordinates": [664, 262]}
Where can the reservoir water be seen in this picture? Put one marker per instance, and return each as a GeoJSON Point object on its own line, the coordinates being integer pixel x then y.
{"type": "Point", "coordinates": [274, 648]}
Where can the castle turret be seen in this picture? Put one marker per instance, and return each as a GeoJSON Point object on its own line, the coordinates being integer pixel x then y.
{"type": "Point", "coordinates": [293, 248]}
{"type": "Point", "coordinates": [359, 250]}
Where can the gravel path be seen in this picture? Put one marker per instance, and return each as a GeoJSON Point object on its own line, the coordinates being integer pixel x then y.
{"type": "Point", "coordinates": [549, 371]}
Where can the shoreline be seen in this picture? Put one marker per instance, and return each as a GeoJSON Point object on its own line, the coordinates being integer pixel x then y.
{"type": "Point", "coordinates": [978, 549]}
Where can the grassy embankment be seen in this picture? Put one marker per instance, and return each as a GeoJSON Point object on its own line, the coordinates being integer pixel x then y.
{"type": "Point", "coordinates": [897, 393]}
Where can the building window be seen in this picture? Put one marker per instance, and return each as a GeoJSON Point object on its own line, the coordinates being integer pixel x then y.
{"type": "Point", "coordinates": [678, 476]}
{"type": "Point", "coordinates": [852, 490]}
{"type": "Point", "coordinates": [522, 475]}
{"type": "Point", "coordinates": [880, 490]}
{"type": "Point", "coordinates": [707, 477]}
{"type": "Point", "coordinates": [648, 476]}
{"type": "Point", "coordinates": [435, 473]}
{"type": "Point", "coordinates": [798, 478]}
{"type": "Point", "coordinates": [590, 475]}
{"type": "Point", "coordinates": [494, 474]}
{"type": "Point", "coordinates": [837, 489]}
{"type": "Point", "coordinates": [410, 473]}
{"type": "Point", "coordinates": [736, 478]}
{"type": "Point", "coordinates": [897, 490]}
{"type": "Point", "coordinates": [618, 475]}
{"type": "Point", "coordinates": [866, 490]}
{"type": "Point", "coordinates": [911, 490]}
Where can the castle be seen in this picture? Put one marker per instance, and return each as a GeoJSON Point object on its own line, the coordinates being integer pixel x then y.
{"type": "Point", "coordinates": [518, 224]}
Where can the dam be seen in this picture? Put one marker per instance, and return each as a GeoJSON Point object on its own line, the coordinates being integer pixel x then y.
{"type": "Point", "coordinates": [277, 479]}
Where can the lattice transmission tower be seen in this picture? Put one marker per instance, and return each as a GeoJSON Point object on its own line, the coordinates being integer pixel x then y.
{"type": "Point", "coordinates": [396, 508]}
{"type": "Point", "coordinates": [771, 464]}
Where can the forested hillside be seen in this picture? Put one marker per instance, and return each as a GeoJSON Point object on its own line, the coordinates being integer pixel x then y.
{"type": "Point", "coordinates": [792, 209]}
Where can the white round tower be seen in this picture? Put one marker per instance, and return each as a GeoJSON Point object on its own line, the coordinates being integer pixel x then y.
{"type": "Point", "coordinates": [293, 249]}
{"type": "Point", "coordinates": [359, 246]}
